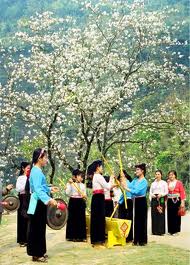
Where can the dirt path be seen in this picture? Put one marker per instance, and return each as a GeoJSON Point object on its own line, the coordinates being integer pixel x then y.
{"type": "Point", "coordinates": [182, 240]}
{"type": "Point", "coordinates": [71, 253]}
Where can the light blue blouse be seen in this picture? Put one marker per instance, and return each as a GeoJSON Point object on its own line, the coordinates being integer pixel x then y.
{"type": "Point", "coordinates": [39, 185]}
{"type": "Point", "coordinates": [138, 187]}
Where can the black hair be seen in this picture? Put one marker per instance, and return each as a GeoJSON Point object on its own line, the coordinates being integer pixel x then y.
{"type": "Point", "coordinates": [127, 176]}
{"type": "Point", "coordinates": [92, 167]}
{"type": "Point", "coordinates": [23, 165]}
{"type": "Point", "coordinates": [38, 153]}
{"type": "Point", "coordinates": [77, 172]}
{"type": "Point", "coordinates": [160, 171]}
{"type": "Point", "coordinates": [107, 178]}
{"type": "Point", "coordinates": [142, 167]}
{"type": "Point", "coordinates": [91, 170]}
{"type": "Point", "coordinates": [174, 172]}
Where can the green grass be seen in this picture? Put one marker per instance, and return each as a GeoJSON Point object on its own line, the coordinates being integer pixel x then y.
{"type": "Point", "coordinates": [69, 253]}
{"type": "Point", "coordinates": [151, 254]}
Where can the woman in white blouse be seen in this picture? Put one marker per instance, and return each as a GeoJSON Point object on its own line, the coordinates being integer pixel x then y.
{"type": "Point", "coordinates": [76, 223]}
{"type": "Point", "coordinates": [158, 192]}
{"type": "Point", "coordinates": [22, 219]}
{"type": "Point", "coordinates": [99, 185]}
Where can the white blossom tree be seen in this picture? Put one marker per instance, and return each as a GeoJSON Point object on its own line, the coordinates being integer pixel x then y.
{"type": "Point", "coordinates": [79, 85]}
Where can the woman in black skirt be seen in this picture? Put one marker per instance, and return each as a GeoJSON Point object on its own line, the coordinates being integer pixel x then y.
{"type": "Point", "coordinates": [124, 213]}
{"type": "Point", "coordinates": [157, 195]}
{"type": "Point", "coordinates": [176, 199]}
{"type": "Point", "coordinates": [24, 197]}
{"type": "Point", "coordinates": [36, 241]}
{"type": "Point", "coordinates": [138, 189]}
{"type": "Point", "coordinates": [97, 222]}
{"type": "Point", "coordinates": [76, 223]}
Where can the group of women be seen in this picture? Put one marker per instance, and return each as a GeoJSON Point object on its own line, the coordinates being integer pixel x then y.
{"type": "Point", "coordinates": [162, 194]}
{"type": "Point", "coordinates": [170, 194]}
{"type": "Point", "coordinates": [36, 194]}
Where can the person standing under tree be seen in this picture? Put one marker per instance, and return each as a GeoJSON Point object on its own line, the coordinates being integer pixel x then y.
{"type": "Point", "coordinates": [138, 188]}
{"type": "Point", "coordinates": [76, 223]}
{"type": "Point", "coordinates": [97, 221]}
{"type": "Point", "coordinates": [22, 217]}
{"type": "Point", "coordinates": [157, 195]}
{"type": "Point", "coordinates": [36, 241]}
{"type": "Point", "coordinates": [176, 199]}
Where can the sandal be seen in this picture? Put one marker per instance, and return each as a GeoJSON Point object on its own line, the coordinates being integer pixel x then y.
{"type": "Point", "coordinates": [39, 259]}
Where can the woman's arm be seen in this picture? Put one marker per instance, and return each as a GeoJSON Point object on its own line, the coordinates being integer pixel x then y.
{"type": "Point", "coordinates": [182, 193]}
{"type": "Point", "coordinates": [151, 195]}
{"type": "Point", "coordinates": [39, 189]}
{"type": "Point", "coordinates": [105, 185]}
{"type": "Point", "coordinates": [6, 190]}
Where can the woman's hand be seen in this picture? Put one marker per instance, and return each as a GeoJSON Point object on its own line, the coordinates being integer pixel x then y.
{"type": "Point", "coordinates": [52, 202]}
{"type": "Point", "coordinates": [124, 184]}
{"type": "Point", "coordinates": [70, 181]}
{"type": "Point", "coordinates": [122, 174]}
{"type": "Point", "coordinates": [182, 204]}
{"type": "Point", "coordinates": [84, 197]}
{"type": "Point", "coordinates": [113, 186]}
{"type": "Point", "coordinates": [54, 189]}
{"type": "Point", "coordinates": [9, 187]}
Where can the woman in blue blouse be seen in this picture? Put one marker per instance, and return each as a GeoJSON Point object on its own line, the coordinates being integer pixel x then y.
{"type": "Point", "coordinates": [36, 246]}
{"type": "Point", "coordinates": [138, 189]}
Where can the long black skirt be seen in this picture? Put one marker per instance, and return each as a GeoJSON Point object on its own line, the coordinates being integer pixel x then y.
{"type": "Point", "coordinates": [127, 214]}
{"type": "Point", "coordinates": [140, 221]}
{"type": "Point", "coordinates": [174, 221]}
{"type": "Point", "coordinates": [76, 223]}
{"type": "Point", "coordinates": [108, 208]}
{"type": "Point", "coordinates": [158, 219]}
{"type": "Point", "coordinates": [97, 220]}
{"type": "Point", "coordinates": [22, 220]}
{"type": "Point", "coordinates": [36, 245]}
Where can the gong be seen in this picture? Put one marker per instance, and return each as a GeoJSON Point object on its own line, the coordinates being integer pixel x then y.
{"type": "Point", "coordinates": [56, 218]}
{"type": "Point", "coordinates": [11, 203]}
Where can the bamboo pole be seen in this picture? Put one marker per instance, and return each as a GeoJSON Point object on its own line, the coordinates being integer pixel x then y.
{"type": "Point", "coordinates": [115, 209]}
{"type": "Point", "coordinates": [116, 180]}
{"type": "Point", "coordinates": [121, 173]}
{"type": "Point", "coordinates": [75, 186]}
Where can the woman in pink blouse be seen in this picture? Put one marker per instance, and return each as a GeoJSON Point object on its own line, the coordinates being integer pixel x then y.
{"type": "Point", "coordinates": [158, 191]}
{"type": "Point", "coordinates": [176, 199]}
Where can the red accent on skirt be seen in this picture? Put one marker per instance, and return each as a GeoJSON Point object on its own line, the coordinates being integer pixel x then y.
{"type": "Point", "coordinates": [98, 191]}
